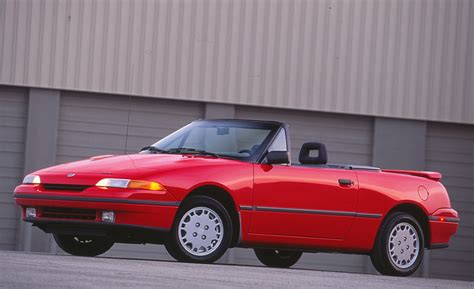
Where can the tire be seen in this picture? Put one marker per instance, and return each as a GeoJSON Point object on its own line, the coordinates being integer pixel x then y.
{"type": "Point", "coordinates": [201, 232]}
{"type": "Point", "coordinates": [399, 246]}
{"type": "Point", "coordinates": [83, 246]}
{"type": "Point", "coordinates": [277, 258]}
{"type": "Point", "coordinates": [170, 248]}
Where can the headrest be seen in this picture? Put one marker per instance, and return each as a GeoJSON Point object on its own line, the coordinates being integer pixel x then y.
{"type": "Point", "coordinates": [305, 157]}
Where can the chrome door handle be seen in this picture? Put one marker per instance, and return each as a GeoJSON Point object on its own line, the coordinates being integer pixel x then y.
{"type": "Point", "coordinates": [345, 182]}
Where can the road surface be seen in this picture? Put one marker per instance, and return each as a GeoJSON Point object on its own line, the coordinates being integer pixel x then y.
{"type": "Point", "coordinates": [34, 270]}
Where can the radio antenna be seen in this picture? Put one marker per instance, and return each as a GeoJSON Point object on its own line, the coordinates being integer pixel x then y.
{"type": "Point", "coordinates": [129, 109]}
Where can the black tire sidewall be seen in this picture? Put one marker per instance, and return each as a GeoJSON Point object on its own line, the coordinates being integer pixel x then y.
{"type": "Point", "coordinates": [171, 248]}
{"type": "Point", "coordinates": [173, 245]}
{"type": "Point", "coordinates": [98, 246]}
{"type": "Point", "coordinates": [270, 258]}
{"type": "Point", "coordinates": [380, 257]}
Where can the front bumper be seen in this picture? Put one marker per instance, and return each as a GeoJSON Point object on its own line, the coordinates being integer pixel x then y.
{"type": "Point", "coordinates": [135, 209]}
{"type": "Point", "coordinates": [117, 232]}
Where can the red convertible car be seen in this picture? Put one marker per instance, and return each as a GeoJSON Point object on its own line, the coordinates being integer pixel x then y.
{"type": "Point", "coordinates": [216, 184]}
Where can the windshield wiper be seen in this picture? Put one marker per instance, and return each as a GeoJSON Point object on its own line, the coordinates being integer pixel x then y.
{"type": "Point", "coordinates": [192, 151]}
{"type": "Point", "coordinates": [154, 150]}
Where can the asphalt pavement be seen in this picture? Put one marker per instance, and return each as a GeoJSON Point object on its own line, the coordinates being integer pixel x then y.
{"type": "Point", "coordinates": [36, 271]}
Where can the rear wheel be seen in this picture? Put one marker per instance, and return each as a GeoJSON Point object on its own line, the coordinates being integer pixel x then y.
{"type": "Point", "coordinates": [399, 246]}
{"type": "Point", "coordinates": [278, 258]}
{"type": "Point", "coordinates": [83, 246]}
{"type": "Point", "coordinates": [202, 231]}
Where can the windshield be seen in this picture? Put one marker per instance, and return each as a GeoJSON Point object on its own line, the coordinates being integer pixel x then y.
{"type": "Point", "coordinates": [235, 139]}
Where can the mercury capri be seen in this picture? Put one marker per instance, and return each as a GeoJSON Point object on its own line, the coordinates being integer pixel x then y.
{"type": "Point", "coordinates": [217, 184]}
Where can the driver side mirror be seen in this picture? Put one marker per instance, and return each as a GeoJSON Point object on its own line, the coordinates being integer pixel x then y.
{"type": "Point", "coordinates": [277, 158]}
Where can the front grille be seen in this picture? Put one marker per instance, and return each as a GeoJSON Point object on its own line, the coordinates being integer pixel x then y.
{"type": "Point", "coordinates": [69, 214]}
{"type": "Point", "coordinates": [63, 187]}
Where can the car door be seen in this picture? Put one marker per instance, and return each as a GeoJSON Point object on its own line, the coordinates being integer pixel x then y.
{"type": "Point", "coordinates": [301, 201]}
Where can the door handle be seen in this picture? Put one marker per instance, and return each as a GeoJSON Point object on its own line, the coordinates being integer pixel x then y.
{"type": "Point", "coordinates": [345, 182]}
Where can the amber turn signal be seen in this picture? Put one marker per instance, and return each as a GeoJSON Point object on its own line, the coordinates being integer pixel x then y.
{"type": "Point", "coordinates": [145, 185]}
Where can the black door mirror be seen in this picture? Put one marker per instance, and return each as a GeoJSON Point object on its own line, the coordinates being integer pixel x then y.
{"type": "Point", "coordinates": [277, 158]}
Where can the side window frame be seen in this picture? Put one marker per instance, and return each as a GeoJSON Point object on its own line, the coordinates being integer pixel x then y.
{"type": "Point", "coordinates": [277, 139]}
{"type": "Point", "coordinates": [284, 129]}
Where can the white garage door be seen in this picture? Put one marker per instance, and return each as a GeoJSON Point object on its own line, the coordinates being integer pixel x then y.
{"type": "Point", "coordinates": [450, 150]}
{"type": "Point", "coordinates": [95, 124]}
{"type": "Point", "coordinates": [348, 139]}
{"type": "Point", "coordinates": [13, 119]}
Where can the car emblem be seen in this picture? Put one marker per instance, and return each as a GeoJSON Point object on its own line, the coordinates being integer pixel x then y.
{"type": "Point", "coordinates": [70, 175]}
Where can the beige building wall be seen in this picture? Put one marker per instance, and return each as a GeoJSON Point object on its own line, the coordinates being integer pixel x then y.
{"type": "Point", "coordinates": [397, 58]}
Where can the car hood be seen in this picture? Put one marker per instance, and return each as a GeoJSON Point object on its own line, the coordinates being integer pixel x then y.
{"type": "Point", "coordinates": [137, 164]}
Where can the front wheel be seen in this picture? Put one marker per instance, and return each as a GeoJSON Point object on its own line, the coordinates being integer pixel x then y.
{"type": "Point", "coordinates": [202, 231]}
{"type": "Point", "coordinates": [83, 246]}
{"type": "Point", "coordinates": [278, 258]}
{"type": "Point", "coordinates": [399, 246]}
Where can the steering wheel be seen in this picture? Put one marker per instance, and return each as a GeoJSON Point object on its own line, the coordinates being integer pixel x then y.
{"type": "Point", "coordinates": [245, 151]}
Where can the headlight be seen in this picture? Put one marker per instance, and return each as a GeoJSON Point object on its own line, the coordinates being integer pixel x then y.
{"type": "Point", "coordinates": [113, 183]}
{"type": "Point", "coordinates": [130, 184]}
{"type": "Point", "coordinates": [32, 179]}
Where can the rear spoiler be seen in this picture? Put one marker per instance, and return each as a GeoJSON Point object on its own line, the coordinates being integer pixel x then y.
{"type": "Point", "coordinates": [435, 176]}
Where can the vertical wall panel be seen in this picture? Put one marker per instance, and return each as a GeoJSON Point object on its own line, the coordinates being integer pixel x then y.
{"type": "Point", "coordinates": [13, 119]}
{"type": "Point", "coordinates": [95, 124]}
{"type": "Point", "coordinates": [3, 8]}
{"type": "Point", "coordinates": [450, 150]}
{"type": "Point", "coordinates": [406, 59]}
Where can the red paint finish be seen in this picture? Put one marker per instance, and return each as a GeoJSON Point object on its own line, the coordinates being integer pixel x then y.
{"type": "Point", "coordinates": [441, 232]}
{"type": "Point", "coordinates": [443, 225]}
{"type": "Point", "coordinates": [304, 188]}
{"type": "Point", "coordinates": [279, 205]}
{"type": "Point", "coordinates": [435, 176]}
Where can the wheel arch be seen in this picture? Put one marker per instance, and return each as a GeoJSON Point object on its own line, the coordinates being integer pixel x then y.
{"type": "Point", "coordinates": [418, 213]}
{"type": "Point", "coordinates": [225, 198]}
